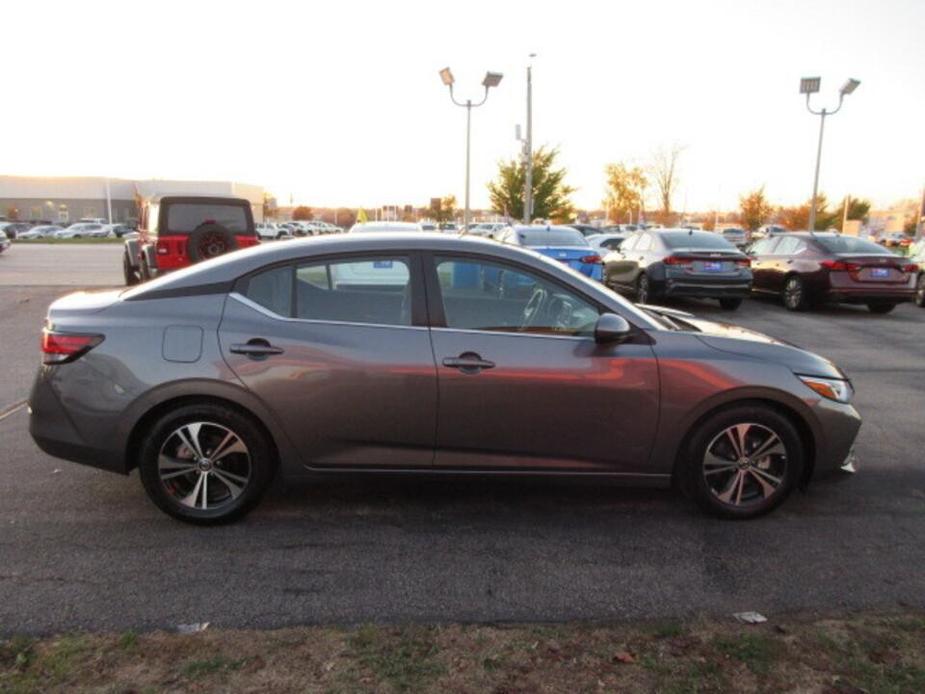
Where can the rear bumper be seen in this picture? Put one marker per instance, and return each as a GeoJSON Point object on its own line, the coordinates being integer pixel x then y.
{"type": "Point", "coordinates": [55, 433]}
{"type": "Point", "coordinates": [863, 294]}
{"type": "Point", "coordinates": [707, 290]}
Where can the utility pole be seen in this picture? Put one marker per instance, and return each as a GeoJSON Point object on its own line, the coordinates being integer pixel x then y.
{"type": "Point", "coordinates": [844, 215]}
{"type": "Point", "coordinates": [528, 148]}
{"type": "Point", "coordinates": [108, 201]}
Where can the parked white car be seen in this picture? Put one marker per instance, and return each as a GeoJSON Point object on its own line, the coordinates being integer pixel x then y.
{"type": "Point", "coordinates": [604, 243]}
{"type": "Point", "coordinates": [268, 231]}
{"type": "Point", "coordinates": [39, 232]}
{"type": "Point", "coordinates": [364, 227]}
{"type": "Point", "coordinates": [4, 241]}
{"type": "Point", "coordinates": [82, 230]}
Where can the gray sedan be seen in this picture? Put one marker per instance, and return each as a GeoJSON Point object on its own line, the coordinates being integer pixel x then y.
{"type": "Point", "coordinates": [411, 353]}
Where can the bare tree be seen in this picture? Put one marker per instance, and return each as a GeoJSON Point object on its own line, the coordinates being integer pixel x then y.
{"type": "Point", "coordinates": [664, 171]}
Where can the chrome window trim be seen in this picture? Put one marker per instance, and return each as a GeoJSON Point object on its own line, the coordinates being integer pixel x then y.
{"type": "Point", "coordinates": [270, 314]}
{"type": "Point", "coordinates": [513, 333]}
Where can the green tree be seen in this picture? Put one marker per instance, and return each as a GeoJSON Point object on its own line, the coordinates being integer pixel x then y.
{"type": "Point", "coordinates": [626, 189]}
{"type": "Point", "coordinates": [754, 209]}
{"type": "Point", "coordinates": [302, 213]}
{"type": "Point", "coordinates": [550, 192]}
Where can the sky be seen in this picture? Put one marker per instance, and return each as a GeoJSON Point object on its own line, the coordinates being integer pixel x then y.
{"type": "Point", "coordinates": [340, 103]}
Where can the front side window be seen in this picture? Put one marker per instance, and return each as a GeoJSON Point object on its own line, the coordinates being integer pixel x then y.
{"type": "Point", "coordinates": [482, 295]}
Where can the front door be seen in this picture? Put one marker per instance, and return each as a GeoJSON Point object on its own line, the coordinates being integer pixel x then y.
{"type": "Point", "coordinates": [339, 351]}
{"type": "Point", "coordinates": [522, 383]}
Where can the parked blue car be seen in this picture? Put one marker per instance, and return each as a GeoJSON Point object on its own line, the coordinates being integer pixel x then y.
{"type": "Point", "coordinates": [561, 243]}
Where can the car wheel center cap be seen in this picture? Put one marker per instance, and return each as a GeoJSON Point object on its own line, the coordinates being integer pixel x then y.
{"type": "Point", "coordinates": [744, 463]}
{"type": "Point", "coordinates": [205, 465]}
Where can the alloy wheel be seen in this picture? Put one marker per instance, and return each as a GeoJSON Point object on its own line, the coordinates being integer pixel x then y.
{"type": "Point", "coordinates": [793, 293]}
{"type": "Point", "coordinates": [204, 466]}
{"type": "Point", "coordinates": [920, 292]}
{"type": "Point", "coordinates": [745, 465]}
{"type": "Point", "coordinates": [642, 292]}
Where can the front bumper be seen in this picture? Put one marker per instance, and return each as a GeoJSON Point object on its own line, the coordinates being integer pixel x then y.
{"type": "Point", "coordinates": [839, 426]}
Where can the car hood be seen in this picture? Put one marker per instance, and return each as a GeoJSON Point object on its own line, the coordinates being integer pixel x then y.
{"type": "Point", "coordinates": [734, 339]}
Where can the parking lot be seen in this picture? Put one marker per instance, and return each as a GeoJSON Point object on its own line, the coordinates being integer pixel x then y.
{"type": "Point", "coordinates": [84, 549]}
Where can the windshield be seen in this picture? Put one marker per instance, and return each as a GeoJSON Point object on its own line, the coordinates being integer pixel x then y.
{"type": "Point", "coordinates": [184, 217]}
{"type": "Point", "coordinates": [701, 240]}
{"type": "Point", "coordinates": [850, 244]}
{"type": "Point", "coordinates": [552, 237]}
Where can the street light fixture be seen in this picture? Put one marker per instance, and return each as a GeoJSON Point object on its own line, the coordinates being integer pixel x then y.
{"type": "Point", "coordinates": [491, 79]}
{"type": "Point", "coordinates": [809, 86]}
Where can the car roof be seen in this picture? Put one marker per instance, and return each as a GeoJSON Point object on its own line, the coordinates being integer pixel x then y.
{"type": "Point", "coordinates": [198, 198]}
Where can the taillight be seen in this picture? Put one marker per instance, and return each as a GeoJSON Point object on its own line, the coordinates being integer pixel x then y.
{"type": "Point", "coordinates": [911, 267]}
{"type": "Point", "coordinates": [60, 348]}
{"type": "Point", "coordinates": [675, 260]}
{"type": "Point", "coordinates": [591, 260]}
{"type": "Point", "coordinates": [744, 262]}
{"type": "Point", "coordinates": [840, 266]}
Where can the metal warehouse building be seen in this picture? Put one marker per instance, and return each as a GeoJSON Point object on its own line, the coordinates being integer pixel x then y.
{"type": "Point", "coordinates": [66, 199]}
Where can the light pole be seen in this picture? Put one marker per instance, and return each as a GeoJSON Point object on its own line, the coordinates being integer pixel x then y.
{"type": "Point", "coordinates": [809, 86]}
{"type": "Point", "coordinates": [528, 148]}
{"type": "Point", "coordinates": [492, 79]}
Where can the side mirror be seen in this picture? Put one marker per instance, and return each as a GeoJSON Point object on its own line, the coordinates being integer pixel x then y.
{"type": "Point", "coordinates": [611, 328]}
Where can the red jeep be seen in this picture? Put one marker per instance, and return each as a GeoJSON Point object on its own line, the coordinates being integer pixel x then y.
{"type": "Point", "coordinates": [175, 231]}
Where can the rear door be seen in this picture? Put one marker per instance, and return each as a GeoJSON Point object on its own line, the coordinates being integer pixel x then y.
{"type": "Point", "coordinates": [522, 383]}
{"type": "Point", "coordinates": [339, 350]}
{"type": "Point", "coordinates": [762, 263]}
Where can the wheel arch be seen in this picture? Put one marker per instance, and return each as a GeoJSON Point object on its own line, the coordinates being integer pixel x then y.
{"type": "Point", "coordinates": [144, 413]}
{"type": "Point", "coordinates": [808, 436]}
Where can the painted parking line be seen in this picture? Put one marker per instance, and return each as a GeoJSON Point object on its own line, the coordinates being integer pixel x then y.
{"type": "Point", "coordinates": [11, 409]}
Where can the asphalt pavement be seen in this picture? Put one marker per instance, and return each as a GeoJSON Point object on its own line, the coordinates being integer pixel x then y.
{"type": "Point", "coordinates": [84, 549]}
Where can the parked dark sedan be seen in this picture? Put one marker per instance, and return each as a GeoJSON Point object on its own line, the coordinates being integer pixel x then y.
{"type": "Point", "coordinates": [806, 269]}
{"type": "Point", "coordinates": [401, 353]}
{"type": "Point", "coordinates": [917, 256]}
{"type": "Point", "coordinates": [661, 263]}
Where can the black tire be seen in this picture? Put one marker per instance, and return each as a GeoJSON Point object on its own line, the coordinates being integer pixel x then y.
{"type": "Point", "coordinates": [730, 304]}
{"type": "Point", "coordinates": [920, 292]}
{"type": "Point", "coordinates": [880, 307]}
{"type": "Point", "coordinates": [131, 277]}
{"type": "Point", "coordinates": [258, 451]}
{"type": "Point", "coordinates": [795, 298]}
{"type": "Point", "coordinates": [143, 270]}
{"type": "Point", "coordinates": [644, 293]}
{"type": "Point", "coordinates": [710, 434]}
{"type": "Point", "coordinates": [209, 241]}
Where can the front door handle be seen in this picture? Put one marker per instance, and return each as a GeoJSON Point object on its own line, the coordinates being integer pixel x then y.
{"type": "Point", "coordinates": [468, 362]}
{"type": "Point", "coordinates": [257, 348]}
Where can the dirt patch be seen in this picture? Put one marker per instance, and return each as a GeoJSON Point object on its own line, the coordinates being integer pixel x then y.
{"type": "Point", "coordinates": [866, 653]}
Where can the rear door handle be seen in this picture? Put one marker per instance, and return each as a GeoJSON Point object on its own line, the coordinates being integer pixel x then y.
{"type": "Point", "coordinates": [468, 362]}
{"type": "Point", "coordinates": [257, 348]}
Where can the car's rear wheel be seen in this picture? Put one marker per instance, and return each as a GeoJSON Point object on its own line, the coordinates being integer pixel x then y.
{"type": "Point", "coordinates": [795, 294]}
{"type": "Point", "coordinates": [744, 462]}
{"type": "Point", "coordinates": [131, 277]}
{"type": "Point", "coordinates": [206, 464]}
{"type": "Point", "coordinates": [920, 292]}
{"type": "Point", "coordinates": [880, 306]}
{"type": "Point", "coordinates": [730, 304]}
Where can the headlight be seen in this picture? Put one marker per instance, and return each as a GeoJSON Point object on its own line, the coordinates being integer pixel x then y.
{"type": "Point", "coordinates": [831, 388]}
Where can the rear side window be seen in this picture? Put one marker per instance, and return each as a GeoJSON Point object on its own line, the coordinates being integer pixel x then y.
{"type": "Point", "coordinates": [184, 217]}
{"type": "Point", "coordinates": [703, 240]}
{"type": "Point", "coordinates": [374, 290]}
{"type": "Point", "coordinates": [850, 244]}
{"type": "Point", "coordinates": [551, 237]}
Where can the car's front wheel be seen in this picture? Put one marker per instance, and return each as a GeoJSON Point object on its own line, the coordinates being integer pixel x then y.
{"type": "Point", "coordinates": [643, 289]}
{"type": "Point", "coordinates": [920, 292]}
{"type": "Point", "coordinates": [131, 277]}
{"type": "Point", "coordinates": [206, 463]}
{"type": "Point", "coordinates": [744, 461]}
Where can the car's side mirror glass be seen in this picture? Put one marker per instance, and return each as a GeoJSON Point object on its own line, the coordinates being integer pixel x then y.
{"type": "Point", "coordinates": [611, 328]}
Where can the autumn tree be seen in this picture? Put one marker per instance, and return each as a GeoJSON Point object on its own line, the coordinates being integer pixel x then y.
{"type": "Point", "coordinates": [754, 209]}
{"type": "Point", "coordinates": [550, 192]}
{"type": "Point", "coordinates": [626, 190]}
{"type": "Point", "coordinates": [663, 169]}
{"type": "Point", "coordinates": [302, 213]}
{"type": "Point", "coordinates": [443, 209]}
{"type": "Point", "coordinates": [796, 218]}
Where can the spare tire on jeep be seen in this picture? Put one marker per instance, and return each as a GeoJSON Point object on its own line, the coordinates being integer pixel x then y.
{"type": "Point", "coordinates": [209, 240]}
